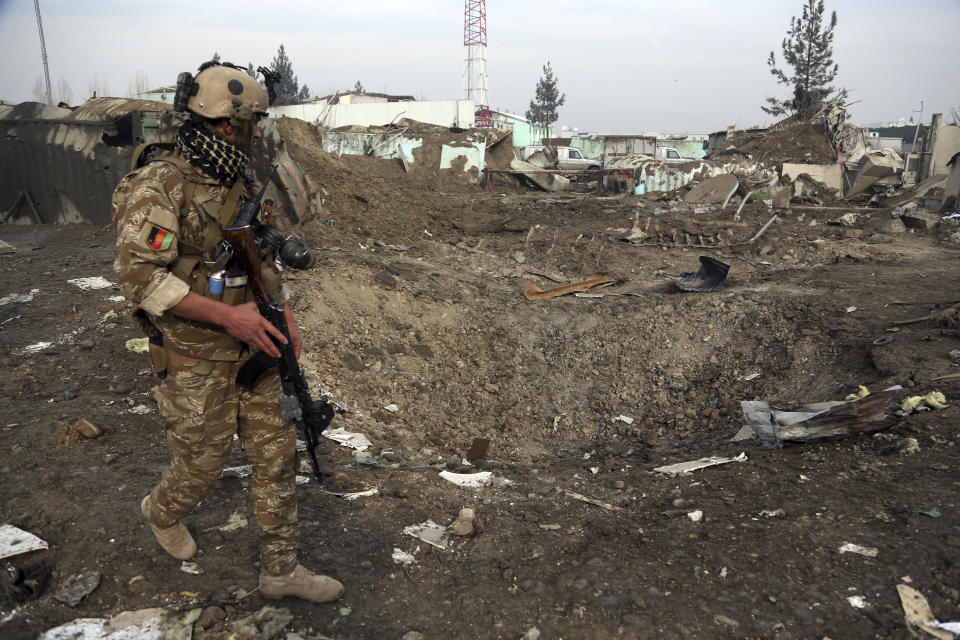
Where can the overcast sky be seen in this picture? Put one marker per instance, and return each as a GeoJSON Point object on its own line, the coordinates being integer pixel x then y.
{"type": "Point", "coordinates": [685, 66]}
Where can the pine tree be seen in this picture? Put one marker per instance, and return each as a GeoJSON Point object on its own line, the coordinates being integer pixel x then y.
{"type": "Point", "coordinates": [808, 51]}
{"type": "Point", "coordinates": [543, 108]}
{"type": "Point", "coordinates": [288, 88]}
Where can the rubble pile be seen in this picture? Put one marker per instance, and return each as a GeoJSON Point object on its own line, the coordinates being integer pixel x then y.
{"type": "Point", "coordinates": [787, 142]}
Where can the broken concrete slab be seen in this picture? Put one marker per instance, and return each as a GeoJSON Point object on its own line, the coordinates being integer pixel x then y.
{"type": "Point", "coordinates": [780, 197]}
{"type": "Point", "coordinates": [831, 175]}
{"type": "Point", "coordinates": [716, 190]}
{"type": "Point", "coordinates": [875, 167]}
{"type": "Point", "coordinates": [546, 181]}
{"type": "Point", "coordinates": [920, 219]}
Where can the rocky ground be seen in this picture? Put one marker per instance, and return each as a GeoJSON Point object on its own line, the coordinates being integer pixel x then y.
{"type": "Point", "coordinates": [417, 301]}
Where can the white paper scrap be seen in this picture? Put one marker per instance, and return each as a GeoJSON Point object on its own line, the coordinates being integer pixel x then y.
{"type": "Point", "coordinates": [430, 532]}
{"type": "Point", "coordinates": [696, 516]}
{"type": "Point", "coordinates": [624, 419]}
{"type": "Point", "coordinates": [870, 552]}
{"type": "Point", "coordinates": [14, 541]}
{"type": "Point", "coordinates": [857, 602]}
{"type": "Point", "coordinates": [702, 463]}
{"type": "Point", "coordinates": [402, 557]}
{"type": "Point", "coordinates": [87, 284]}
{"type": "Point", "coordinates": [469, 480]}
{"type": "Point", "coordinates": [952, 627]}
{"type": "Point", "coordinates": [356, 441]}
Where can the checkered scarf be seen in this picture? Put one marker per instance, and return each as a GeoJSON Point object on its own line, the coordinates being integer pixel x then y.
{"type": "Point", "coordinates": [210, 153]}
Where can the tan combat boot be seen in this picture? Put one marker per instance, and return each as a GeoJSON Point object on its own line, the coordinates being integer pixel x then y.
{"type": "Point", "coordinates": [175, 540]}
{"type": "Point", "coordinates": [301, 583]}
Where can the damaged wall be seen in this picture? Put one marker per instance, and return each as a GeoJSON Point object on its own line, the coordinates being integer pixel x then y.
{"type": "Point", "coordinates": [444, 113]}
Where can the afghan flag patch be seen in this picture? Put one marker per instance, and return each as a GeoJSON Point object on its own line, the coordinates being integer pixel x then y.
{"type": "Point", "coordinates": [159, 239]}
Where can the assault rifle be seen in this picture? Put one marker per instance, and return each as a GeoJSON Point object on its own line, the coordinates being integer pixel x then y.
{"type": "Point", "coordinates": [310, 416]}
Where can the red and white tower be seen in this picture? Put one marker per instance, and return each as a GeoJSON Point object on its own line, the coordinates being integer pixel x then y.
{"type": "Point", "coordinates": [475, 66]}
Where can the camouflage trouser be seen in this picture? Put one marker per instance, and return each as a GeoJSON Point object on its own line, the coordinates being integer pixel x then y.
{"type": "Point", "coordinates": [203, 408]}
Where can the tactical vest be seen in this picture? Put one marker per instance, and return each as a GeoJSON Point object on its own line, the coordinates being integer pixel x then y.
{"type": "Point", "coordinates": [204, 207]}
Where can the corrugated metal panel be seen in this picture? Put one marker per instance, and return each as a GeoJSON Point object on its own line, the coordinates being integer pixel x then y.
{"type": "Point", "coordinates": [68, 167]}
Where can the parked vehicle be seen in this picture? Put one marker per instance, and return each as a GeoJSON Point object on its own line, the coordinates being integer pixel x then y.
{"type": "Point", "coordinates": [569, 158]}
{"type": "Point", "coordinates": [671, 157]}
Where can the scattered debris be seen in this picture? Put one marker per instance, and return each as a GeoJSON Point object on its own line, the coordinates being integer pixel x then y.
{"type": "Point", "coordinates": [392, 408]}
{"type": "Point", "coordinates": [716, 190]}
{"type": "Point", "coordinates": [140, 409]}
{"type": "Point", "coordinates": [356, 441]}
{"type": "Point", "coordinates": [145, 624]}
{"type": "Point", "coordinates": [88, 429]}
{"type": "Point", "coordinates": [695, 516]}
{"type": "Point", "coordinates": [19, 298]}
{"type": "Point", "coordinates": [702, 463]}
{"type": "Point", "coordinates": [89, 284]}
{"type": "Point", "coordinates": [138, 345]}
{"type": "Point", "coordinates": [773, 513]}
{"type": "Point", "coordinates": [857, 602]}
{"type": "Point", "coordinates": [78, 588]}
{"type": "Point", "coordinates": [710, 277]}
{"type": "Point", "coordinates": [597, 503]}
{"type": "Point", "coordinates": [463, 525]}
{"type": "Point", "coordinates": [819, 420]}
{"type": "Point", "coordinates": [402, 557]}
{"type": "Point", "coordinates": [234, 522]}
{"type": "Point", "coordinates": [933, 400]}
{"type": "Point", "coordinates": [533, 292]}
{"type": "Point", "coordinates": [478, 449]}
{"type": "Point", "coordinates": [918, 613]}
{"type": "Point", "coordinates": [354, 494]}
{"type": "Point", "coordinates": [624, 419]}
{"type": "Point", "coordinates": [849, 547]}
{"type": "Point", "coordinates": [468, 480]}
{"type": "Point", "coordinates": [191, 567]}
{"type": "Point", "coordinates": [6, 248]}
{"type": "Point", "coordinates": [14, 541]}
{"type": "Point", "coordinates": [430, 532]}
{"type": "Point", "coordinates": [862, 392]}
{"type": "Point", "coordinates": [243, 471]}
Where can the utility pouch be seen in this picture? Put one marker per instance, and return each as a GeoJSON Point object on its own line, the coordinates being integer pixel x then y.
{"type": "Point", "coordinates": [158, 357]}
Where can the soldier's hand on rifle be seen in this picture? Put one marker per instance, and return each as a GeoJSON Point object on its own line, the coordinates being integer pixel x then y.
{"type": "Point", "coordinates": [293, 331]}
{"type": "Point", "coordinates": [245, 323]}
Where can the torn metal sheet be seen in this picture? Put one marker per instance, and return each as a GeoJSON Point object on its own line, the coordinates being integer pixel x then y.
{"type": "Point", "coordinates": [710, 277]}
{"type": "Point", "coordinates": [430, 532]}
{"type": "Point", "coordinates": [702, 463]}
{"type": "Point", "coordinates": [356, 441]}
{"type": "Point", "coordinates": [533, 292]}
{"type": "Point", "coordinates": [14, 541]}
{"type": "Point", "coordinates": [819, 420]}
{"type": "Point", "coordinates": [468, 480]}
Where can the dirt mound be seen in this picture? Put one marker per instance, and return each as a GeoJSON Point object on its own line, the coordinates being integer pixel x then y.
{"type": "Point", "coordinates": [789, 142]}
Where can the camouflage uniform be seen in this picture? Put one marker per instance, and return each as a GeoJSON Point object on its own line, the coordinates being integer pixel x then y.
{"type": "Point", "coordinates": [167, 220]}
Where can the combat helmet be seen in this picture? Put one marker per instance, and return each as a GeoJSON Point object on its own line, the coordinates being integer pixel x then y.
{"type": "Point", "coordinates": [223, 90]}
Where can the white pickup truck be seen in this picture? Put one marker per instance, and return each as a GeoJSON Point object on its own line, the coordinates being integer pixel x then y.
{"type": "Point", "coordinates": [567, 157]}
{"type": "Point", "coordinates": [671, 157]}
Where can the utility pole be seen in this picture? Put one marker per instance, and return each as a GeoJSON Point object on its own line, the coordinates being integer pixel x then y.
{"type": "Point", "coordinates": [43, 51]}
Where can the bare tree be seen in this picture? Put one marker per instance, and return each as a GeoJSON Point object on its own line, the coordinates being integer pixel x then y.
{"type": "Point", "coordinates": [97, 87]}
{"type": "Point", "coordinates": [39, 90]}
{"type": "Point", "coordinates": [64, 91]}
{"type": "Point", "coordinates": [138, 85]}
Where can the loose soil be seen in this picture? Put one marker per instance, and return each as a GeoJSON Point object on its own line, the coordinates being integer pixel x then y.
{"type": "Point", "coordinates": [438, 325]}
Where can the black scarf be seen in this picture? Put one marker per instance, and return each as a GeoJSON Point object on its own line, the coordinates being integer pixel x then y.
{"type": "Point", "coordinates": [210, 152]}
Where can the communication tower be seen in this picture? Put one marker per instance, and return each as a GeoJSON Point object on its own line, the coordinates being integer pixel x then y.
{"type": "Point", "coordinates": [43, 51]}
{"type": "Point", "coordinates": [475, 66]}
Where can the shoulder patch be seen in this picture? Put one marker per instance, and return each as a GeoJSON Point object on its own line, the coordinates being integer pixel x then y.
{"type": "Point", "coordinates": [159, 238]}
